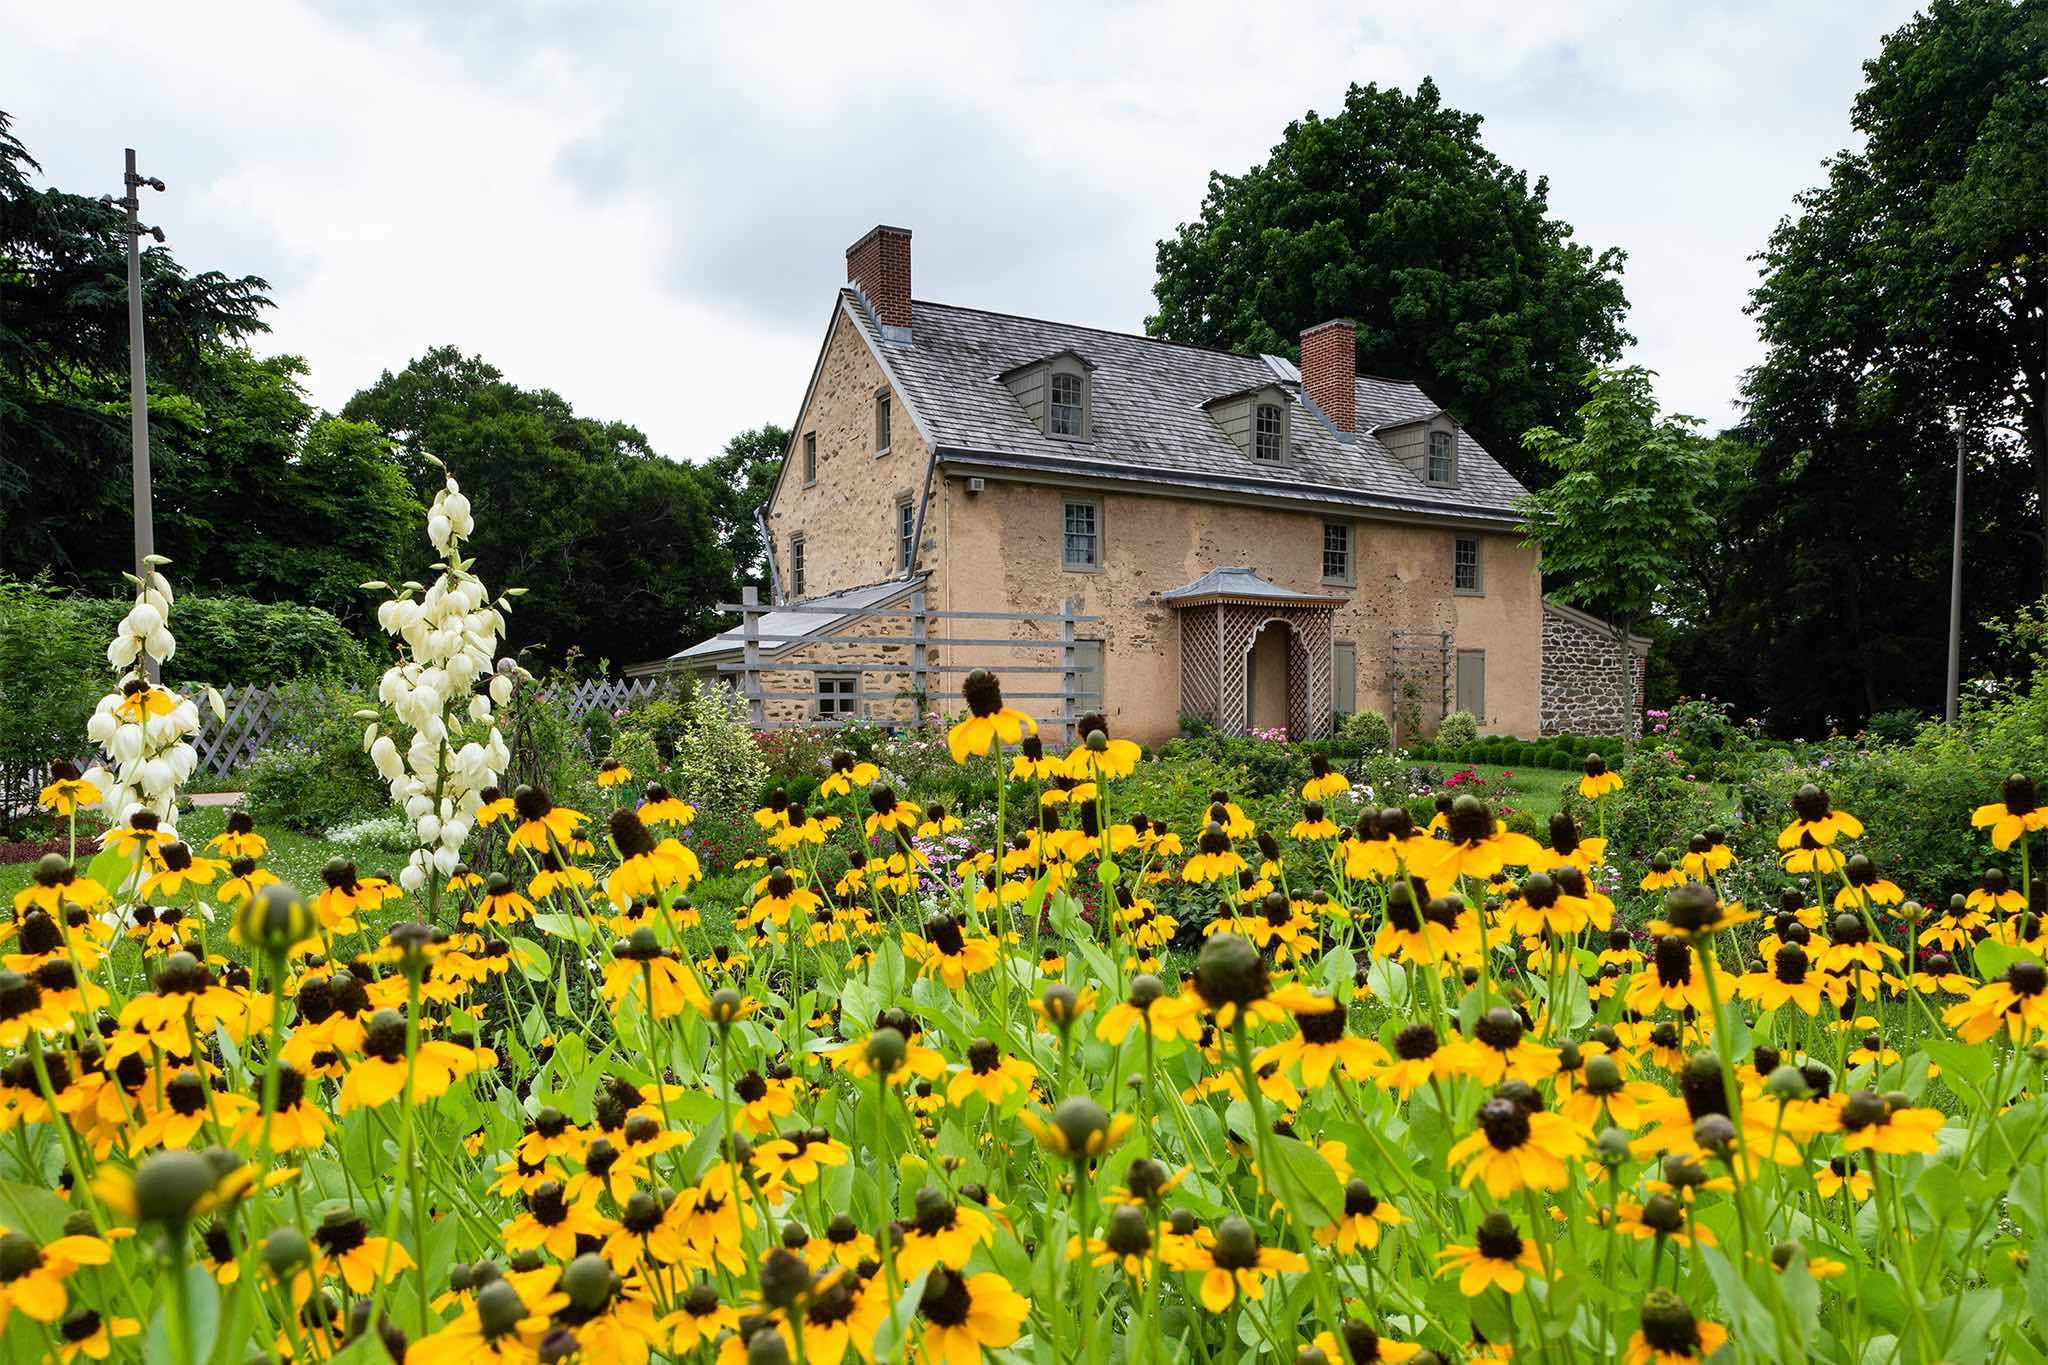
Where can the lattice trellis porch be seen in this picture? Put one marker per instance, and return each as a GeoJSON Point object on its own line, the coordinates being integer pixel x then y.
{"type": "Point", "coordinates": [1221, 614]}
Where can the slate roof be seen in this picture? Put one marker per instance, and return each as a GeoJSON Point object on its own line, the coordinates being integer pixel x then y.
{"type": "Point", "coordinates": [1240, 584]}
{"type": "Point", "coordinates": [808, 622]}
{"type": "Point", "coordinates": [1149, 423]}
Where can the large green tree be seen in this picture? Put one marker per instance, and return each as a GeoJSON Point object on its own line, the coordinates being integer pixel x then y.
{"type": "Point", "coordinates": [1908, 291]}
{"type": "Point", "coordinates": [620, 550]}
{"type": "Point", "coordinates": [1623, 505]}
{"type": "Point", "coordinates": [1393, 213]}
{"type": "Point", "coordinates": [745, 472]}
{"type": "Point", "coordinates": [64, 440]}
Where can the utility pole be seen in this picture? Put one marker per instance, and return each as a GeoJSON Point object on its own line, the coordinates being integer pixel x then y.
{"type": "Point", "coordinates": [1955, 590]}
{"type": "Point", "coordinates": [138, 373]}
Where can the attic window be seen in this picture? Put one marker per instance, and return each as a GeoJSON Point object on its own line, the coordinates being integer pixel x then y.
{"type": "Point", "coordinates": [1269, 433]}
{"type": "Point", "coordinates": [1443, 464]}
{"type": "Point", "coordinates": [1063, 416]}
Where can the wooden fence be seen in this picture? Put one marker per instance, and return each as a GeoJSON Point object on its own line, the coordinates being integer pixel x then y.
{"type": "Point", "coordinates": [925, 642]}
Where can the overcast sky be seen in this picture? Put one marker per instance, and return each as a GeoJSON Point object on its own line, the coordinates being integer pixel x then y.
{"type": "Point", "coordinates": [646, 206]}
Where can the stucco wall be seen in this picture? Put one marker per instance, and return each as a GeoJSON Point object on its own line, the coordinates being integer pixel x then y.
{"type": "Point", "coordinates": [848, 517]}
{"type": "Point", "coordinates": [1000, 550]}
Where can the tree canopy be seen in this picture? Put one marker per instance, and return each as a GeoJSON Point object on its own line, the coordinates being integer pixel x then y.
{"type": "Point", "coordinates": [621, 552]}
{"type": "Point", "coordinates": [1394, 214]}
{"type": "Point", "coordinates": [1906, 293]}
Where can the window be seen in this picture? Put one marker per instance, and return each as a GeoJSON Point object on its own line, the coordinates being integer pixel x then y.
{"type": "Point", "coordinates": [1465, 565]}
{"type": "Point", "coordinates": [1083, 535]}
{"type": "Point", "coordinates": [1063, 415]}
{"type": "Point", "coordinates": [906, 533]}
{"type": "Point", "coordinates": [882, 423]}
{"type": "Point", "coordinates": [1344, 677]}
{"type": "Point", "coordinates": [1088, 689]}
{"type": "Point", "coordinates": [1472, 682]}
{"type": "Point", "coordinates": [1336, 552]}
{"type": "Point", "coordinates": [838, 694]}
{"type": "Point", "coordinates": [1442, 463]}
{"type": "Point", "coordinates": [1269, 433]}
{"type": "Point", "coordinates": [796, 564]}
{"type": "Point", "coordinates": [810, 457]}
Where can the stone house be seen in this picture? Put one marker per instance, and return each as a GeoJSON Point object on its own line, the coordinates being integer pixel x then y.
{"type": "Point", "coordinates": [1263, 544]}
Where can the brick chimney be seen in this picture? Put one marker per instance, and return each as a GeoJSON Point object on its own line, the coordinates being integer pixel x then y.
{"type": "Point", "coordinates": [1329, 371]}
{"type": "Point", "coordinates": [879, 266]}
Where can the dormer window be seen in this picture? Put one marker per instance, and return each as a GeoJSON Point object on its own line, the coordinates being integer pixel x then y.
{"type": "Point", "coordinates": [1064, 413]}
{"type": "Point", "coordinates": [1256, 421]}
{"type": "Point", "coordinates": [1055, 393]}
{"type": "Point", "coordinates": [1443, 464]}
{"type": "Point", "coordinates": [1269, 433]}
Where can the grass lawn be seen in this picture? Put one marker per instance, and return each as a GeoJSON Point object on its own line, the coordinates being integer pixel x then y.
{"type": "Point", "coordinates": [296, 858]}
{"type": "Point", "coordinates": [1540, 791]}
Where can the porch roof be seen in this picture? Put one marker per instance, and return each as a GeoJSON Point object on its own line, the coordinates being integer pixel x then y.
{"type": "Point", "coordinates": [1240, 584]}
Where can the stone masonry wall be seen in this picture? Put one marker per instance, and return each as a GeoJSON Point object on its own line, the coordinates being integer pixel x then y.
{"type": "Point", "coordinates": [1582, 689]}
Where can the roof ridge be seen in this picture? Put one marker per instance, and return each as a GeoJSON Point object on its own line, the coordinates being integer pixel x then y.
{"type": "Point", "coordinates": [1080, 327]}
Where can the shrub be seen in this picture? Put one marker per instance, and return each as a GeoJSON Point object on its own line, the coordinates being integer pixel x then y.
{"type": "Point", "coordinates": [226, 639]}
{"type": "Point", "coordinates": [716, 762]}
{"type": "Point", "coordinates": [1368, 730]}
{"type": "Point", "coordinates": [1459, 727]}
{"type": "Point", "coordinates": [1660, 801]}
{"type": "Point", "coordinates": [312, 772]}
{"type": "Point", "coordinates": [52, 673]}
{"type": "Point", "coordinates": [1896, 726]}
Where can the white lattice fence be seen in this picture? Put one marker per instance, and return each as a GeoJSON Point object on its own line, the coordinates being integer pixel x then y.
{"type": "Point", "coordinates": [253, 714]}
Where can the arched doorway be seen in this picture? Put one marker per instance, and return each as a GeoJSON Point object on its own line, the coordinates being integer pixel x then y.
{"type": "Point", "coordinates": [1268, 702]}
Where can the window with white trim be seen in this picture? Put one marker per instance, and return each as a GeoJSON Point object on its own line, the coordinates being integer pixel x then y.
{"type": "Point", "coordinates": [1443, 460]}
{"type": "Point", "coordinates": [1066, 404]}
{"type": "Point", "coordinates": [1269, 433]}
{"type": "Point", "coordinates": [1082, 525]}
{"type": "Point", "coordinates": [1336, 552]}
{"type": "Point", "coordinates": [1465, 568]}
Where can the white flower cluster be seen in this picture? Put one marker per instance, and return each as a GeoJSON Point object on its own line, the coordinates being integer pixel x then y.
{"type": "Point", "coordinates": [144, 731]}
{"type": "Point", "coordinates": [449, 634]}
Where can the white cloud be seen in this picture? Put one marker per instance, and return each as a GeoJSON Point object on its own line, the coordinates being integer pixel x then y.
{"type": "Point", "coordinates": [646, 207]}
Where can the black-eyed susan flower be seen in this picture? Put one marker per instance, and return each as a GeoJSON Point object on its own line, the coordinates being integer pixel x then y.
{"type": "Point", "coordinates": [68, 790]}
{"type": "Point", "coordinates": [941, 1233]}
{"type": "Point", "coordinates": [344, 1249]}
{"type": "Point", "coordinates": [1671, 1335]}
{"type": "Point", "coordinates": [1598, 781]}
{"type": "Point", "coordinates": [2014, 814]}
{"type": "Point", "coordinates": [612, 773]}
{"type": "Point", "coordinates": [1098, 757]}
{"type": "Point", "coordinates": [1323, 782]}
{"type": "Point", "coordinates": [1365, 1217]}
{"type": "Point", "coordinates": [2015, 1004]}
{"type": "Point", "coordinates": [989, 1074]}
{"type": "Point", "coordinates": [1363, 1345]}
{"type": "Point", "coordinates": [543, 825]}
{"type": "Point", "coordinates": [947, 951]}
{"type": "Point", "coordinates": [887, 812]}
{"type": "Point", "coordinates": [1499, 1258]}
{"type": "Point", "coordinates": [1150, 1007]}
{"type": "Point", "coordinates": [964, 1315]}
{"type": "Point", "coordinates": [33, 1275]}
{"type": "Point", "coordinates": [1873, 1123]}
{"type": "Point", "coordinates": [83, 1333]}
{"type": "Point", "coordinates": [1815, 818]}
{"type": "Point", "coordinates": [181, 868]}
{"type": "Point", "coordinates": [1234, 1263]}
{"type": "Point", "coordinates": [1668, 980]}
{"type": "Point", "coordinates": [1995, 893]}
{"type": "Point", "coordinates": [380, 1076]}
{"type": "Point", "coordinates": [989, 723]}
{"type": "Point", "coordinates": [1476, 847]}
{"type": "Point", "coordinates": [1792, 979]}
{"type": "Point", "coordinates": [1517, 1148]}
{"type": "Point", "coordinates": [502, 1325]}
{"type": "Point", "coordinates": [239, 839]}
{"type": "Point", "coordinates": [701, 1320]}
{"type": "Point", "coordinates": [1840, 1175]}
{"type": "Point", "coordinates": [660, 806]}
{"type": "Point", "coordinates": [1213, 858]}
{"type": "Point", "coordinates": [1320, 1043]}
{"type": "Point", "coordinates": [1078, 1129]}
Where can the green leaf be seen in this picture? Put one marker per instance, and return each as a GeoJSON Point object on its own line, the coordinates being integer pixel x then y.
{"type": "Point", "coordinates": [202, 1300]}
{"type": "Point", "coordinates": [111, 869]}
{"type": "Point", "coordinates": [1973, 1064]}
{"type": "Point", "coordinates": [39, 1213]}
{"type": "Point", "coordinates": [531, 959]}
{"type": "Point", "coordinates": [1994, 957]}
{"type": "Point", "coordinates": [1308, 1179]}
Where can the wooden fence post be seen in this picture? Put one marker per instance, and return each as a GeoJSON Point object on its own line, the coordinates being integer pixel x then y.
{"type": "Point", "coordinates": [920, 685]}
{"type": "Point", "coordinates": [750, 656]}
{"type": "Point", "coordinates": [1067, 674]}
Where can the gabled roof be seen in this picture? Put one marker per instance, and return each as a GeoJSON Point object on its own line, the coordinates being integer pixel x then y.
{"type": "Point", "coordinates": [1148, 423]}
{"type": "Point", "coordinates": [1083, 361]}
{"type": "Point", "coordinates": [811, 623]}
{"type": "Point", "coordinates": [1239, 584]}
